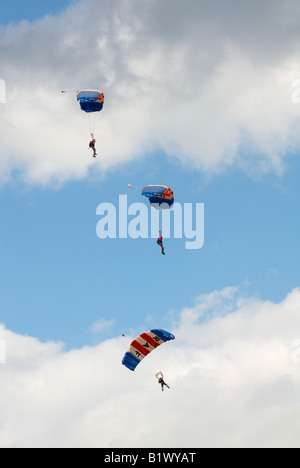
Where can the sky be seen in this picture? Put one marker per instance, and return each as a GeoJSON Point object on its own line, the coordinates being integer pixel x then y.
{"type": "Point", "coordinates": [203, 99]}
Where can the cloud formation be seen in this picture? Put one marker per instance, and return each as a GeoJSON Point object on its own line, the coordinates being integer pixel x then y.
{"type": "Point", "coordinates": [102, 325]}
{"type": "Point", "coordinates": [232, 371]}
{"type": "Point", "coordinates": [200, 83]}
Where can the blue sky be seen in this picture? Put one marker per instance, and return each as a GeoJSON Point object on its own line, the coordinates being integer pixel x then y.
{"type": "Point", "coordinates": [17, 11]}
{"type": "Point", "coordinates": [60, 277]}
{"type": "Point", "coordinates": [189, 103]}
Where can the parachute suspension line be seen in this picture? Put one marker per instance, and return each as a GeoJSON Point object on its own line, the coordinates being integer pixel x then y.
{"type": "Point", "coordinates": [92, 123]}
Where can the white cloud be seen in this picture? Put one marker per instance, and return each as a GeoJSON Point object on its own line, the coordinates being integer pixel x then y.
{"type": "Point", "coordinates": [200, 82]}
{"type": "Point", "coordinates": [232, 371]}
{"type": "Point", "coordinates": [101, 325]}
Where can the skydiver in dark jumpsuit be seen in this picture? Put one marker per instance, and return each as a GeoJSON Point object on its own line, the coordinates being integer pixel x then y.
{"type": "Point", "coordinates": [92, 145]}
{"type": "Point", "coordinates": [162, 383]}
{"type": "Point", "coordinates": [160, 243]}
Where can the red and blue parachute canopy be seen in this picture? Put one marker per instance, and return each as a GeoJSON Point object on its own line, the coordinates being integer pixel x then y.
{"type": "Point", "coordinates": [90, 100]}
{"type": "Point", "coordinates": [159, 195]}
{"type": "Point", "coordinates": [143, 345]}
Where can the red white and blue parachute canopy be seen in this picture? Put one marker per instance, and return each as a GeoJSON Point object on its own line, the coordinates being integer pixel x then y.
{"type": "Point", "coordinates": [143, 345]}
{"type": "Point", "coordinates": [160, 196]}
{"type": "Point", "coordinates": [90, 100]}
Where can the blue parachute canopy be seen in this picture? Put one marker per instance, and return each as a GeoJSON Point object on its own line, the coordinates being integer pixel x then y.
{"type": "Point", "coordinates": [143, 345]}
{"type": "Point", "coordinates": [159, 195]}
{"type": "Point", "coordinates": [90, 100]}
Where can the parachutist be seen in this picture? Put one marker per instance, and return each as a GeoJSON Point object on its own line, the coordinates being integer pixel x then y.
{"type": "Point", "coordinates": [160, 243]}
{"type": "Point", "coordinates": [92, 145]}
{"type": "Point", "coordinates": [161, 381]}
{"type": "Point", "coordinates": [91, 102]}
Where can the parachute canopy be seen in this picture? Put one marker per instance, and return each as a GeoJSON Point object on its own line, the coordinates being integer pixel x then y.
{"type": "Point", "coordinates": [91, 100]}
{"type": "Point", "coordinates": [143, 345]}
{"type": "Point", "coordinates": [159, 195]}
